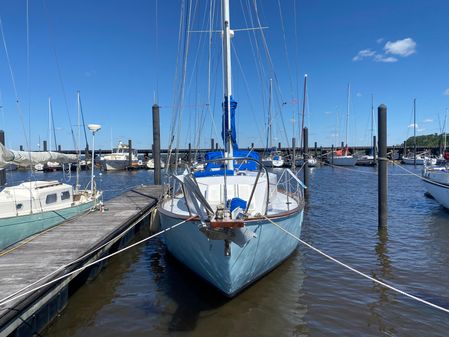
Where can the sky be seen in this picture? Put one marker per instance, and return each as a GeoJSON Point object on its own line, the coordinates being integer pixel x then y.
{"type": "Point", "coordinates": [124, 56]}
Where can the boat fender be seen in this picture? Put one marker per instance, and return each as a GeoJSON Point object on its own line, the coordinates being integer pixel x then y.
{"type": "Point", "coordinates": [155, 222]}
{"type": "Point", "coordinates": [140, 162]}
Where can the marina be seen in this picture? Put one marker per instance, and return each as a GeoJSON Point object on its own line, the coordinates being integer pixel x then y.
{"type": "Point", "coordinates": [226, 173]}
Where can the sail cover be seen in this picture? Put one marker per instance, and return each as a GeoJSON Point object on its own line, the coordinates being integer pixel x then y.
{"type": "Point", "coordinates": [225, 124]}
{"type": "Point", "coordinates": [23, 158]}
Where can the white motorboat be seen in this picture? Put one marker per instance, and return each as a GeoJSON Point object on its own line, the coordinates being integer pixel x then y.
{"type": "Point", "coordinates": [119, 159]}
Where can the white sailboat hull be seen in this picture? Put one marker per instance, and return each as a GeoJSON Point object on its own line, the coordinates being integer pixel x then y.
{"type": "Point", "coordinates": [344, 160]}
{"type": "Point", "coordinates": [438, 186]}
{"type": "Point", "coordinates": [231, 274]}
{"type": "Point", "coordinates": [273, 162]}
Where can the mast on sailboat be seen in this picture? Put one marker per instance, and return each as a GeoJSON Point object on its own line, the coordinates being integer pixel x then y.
{"type": "Point", "coordinates": [414, 131]}
{"type": "Point", "coordinates": [372, 125]}
{"type": "Point", "coordinates": [301, 138]}
{"type": "Point", "coordinates": [347, 118]}
{"type": "Point", "coordinates": [227, 80]}
{"type": "Point", "coordinates": [270, 118]}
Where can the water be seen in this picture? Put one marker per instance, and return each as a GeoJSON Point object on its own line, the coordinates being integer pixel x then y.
{"type": "Point", "coordinates": [145, 292]}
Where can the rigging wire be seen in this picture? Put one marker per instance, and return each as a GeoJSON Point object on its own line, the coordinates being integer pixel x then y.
{"type": "Point", "coordinates": [58, 68]}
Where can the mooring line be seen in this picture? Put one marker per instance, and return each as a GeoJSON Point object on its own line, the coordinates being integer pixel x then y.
{"type": "Point", "coordinates": [386, 285]}
{"type": "Point", "coordinates": [20, 294]}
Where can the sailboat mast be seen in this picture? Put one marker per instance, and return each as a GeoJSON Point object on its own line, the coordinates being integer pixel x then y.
{"type": "Point", "coordinates": [444, 131]}
{"type": "Point", "coordinates": [49, 123]}
{"type": "Point", "coordinates": [372, 123]}
{"type": "Point", "coordinates": [77, 185]}
{"type": "Point", "coordinates": [227, 77]}
{"type": "Point", "coordinates": [270, 118]}
{"type": "Point", "coordinates": [301, 138]}
{"type": "Point", "coordinates": [347, 118]}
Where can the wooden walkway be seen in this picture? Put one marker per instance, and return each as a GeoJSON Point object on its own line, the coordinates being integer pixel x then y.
{"type": "Point", "coordinates": [97, 232]}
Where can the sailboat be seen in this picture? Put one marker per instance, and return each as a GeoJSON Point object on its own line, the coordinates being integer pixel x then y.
{"type": "Point", "coordinates": [415, 158]}
{"type": "Point", "coordinates": [229, 237]}
{"type": "Point", "coordinates": [342, 157]}
{"type": "Point", "coordinates": [274, 158]}
{"type": "Point", "coordinates": [31, 207]}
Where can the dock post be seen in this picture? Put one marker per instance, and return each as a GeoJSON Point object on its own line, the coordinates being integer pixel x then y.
{"type": "Point", "coordinates": [293, 153]}
{"type": "Point", "coordinates": [216, 146]}
{"type": "Point", "coordinates": [157, 145]}
{"type": "Point", "coordinates": [305, 132]}
{"type": "Point", "coordinates": [59, 148]}
{"type": "Point", "coordinates": [332, 155]}
{"type": "Point", "coordinates": [130, 154]}
{"type": "Point", "coordinates": [392, 155]}
{"type": "Point", "coordinates": [44, 147]}
{"type": "Point", "coordinates": [2, 171]}
{"type": "Point", "coordinates": [382, 166]}
{"type": "Point", "coordinates": [279, 146]}
{"type": "Point", "coordinates": [212, 144]}
{"type": "Point", "coordinates": [342, 145]}
{"type": "Point", "coordinates": [189, 154]}
{"type": "Point", "coordinates": [21, 148]}
{"type": "Point", "coordinates": [316, 149]}
{"type": "Point", "coordinates": [374, 150]}
{"type": "Point", "coordinates": [252, 145]}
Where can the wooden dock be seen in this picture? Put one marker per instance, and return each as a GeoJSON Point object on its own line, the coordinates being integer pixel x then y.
{"type": "Point", "coordinates": [89, 236]}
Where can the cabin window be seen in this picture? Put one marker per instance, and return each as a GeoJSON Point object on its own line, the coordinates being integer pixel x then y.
{"type": "Point", "coordinates": [65, 195]}
{"type": "Point", "coordinates": [51, 198]}
{"type": "Point", "coordinates": [19, 206]}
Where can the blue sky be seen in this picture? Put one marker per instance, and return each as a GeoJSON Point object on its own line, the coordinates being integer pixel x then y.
{"type": "Point", "coordinates": [117, 54]}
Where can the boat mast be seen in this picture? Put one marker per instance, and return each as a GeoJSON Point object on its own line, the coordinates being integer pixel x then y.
{"type": "Point", "coordinates": [77, 185]}
{"type": "Point", "coordinates": [301, 138]}
{"type": "Point", "coordinates": [227, 78]}
{"type": "Point", "coordinates": [372, 124]}
{"type": "Point", "coordinates": [270, 118]}
{"type": "Point", "coordinates": [347, 119]}
{"type": "Point", "coordinates": [444, 131]}
{"type": "Point", "coordinates": [49, 123]}
{"type": "Point", "coordinates": [414, 131]}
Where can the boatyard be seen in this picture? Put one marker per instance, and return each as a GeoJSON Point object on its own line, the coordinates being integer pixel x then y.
{"type": "Point", "coordinates": [223, 168]}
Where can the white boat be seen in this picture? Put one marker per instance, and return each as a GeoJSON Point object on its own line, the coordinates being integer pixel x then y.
{"type": "Point", "coordinates": [31, 207]}
{"type": "Point", "coordinates": [437, 184]}
{"type": "Point", "coordinates": [365, 160]}
{"type": "Point", "coordinates": [311, 162]}
{"type": "Point", "coordinates": [420, 160]}
{"type": "Point", "coordinates": [273, 160]}
{"type": "Point", "coordinates": [119, 158]}
{"type": "Point", "coordinates": [150, 164]}
{"type": "Point", "coordinates": [344, 160]}
{"type": "Point", "coordinates": [228, 237]}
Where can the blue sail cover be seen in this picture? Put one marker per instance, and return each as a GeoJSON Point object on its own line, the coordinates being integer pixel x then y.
{"type": "Point", "coordinates": [217, 168]}
{"type": "Point", "coordinates": [225, 123]}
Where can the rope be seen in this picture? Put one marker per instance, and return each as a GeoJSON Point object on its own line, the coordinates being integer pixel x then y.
{"type": "Point", "coordinates": [9, 299]}
{"type": "Point", "coordinates": [386, 285]}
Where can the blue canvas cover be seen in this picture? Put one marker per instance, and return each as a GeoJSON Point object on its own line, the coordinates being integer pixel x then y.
{"type": "Point", "coordinates": [225, 123]}
{"type": "Point", "coordinates": [217, 168]}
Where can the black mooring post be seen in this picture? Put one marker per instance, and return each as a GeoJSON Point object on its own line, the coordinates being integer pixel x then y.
{"type": "Point", "coordinates": [293, 153]}
{"type": "Point", "coordinates": [59, 148]}
{"type": "Point", "coordinates": [212, 143]}
{"type": "Point", "coordinates": [189, 159]}
{"type": "Point", "coordinates": [342, 145]}
{"type": "Point", "coordinates": [332, 155]}
{"type": "Point", "coordinates": [306, 157]}
{"type": "Point", "coordinates": [392, 155]}
{"type": "Point", "coordinates": [130, 154]}
{"type": "Point", "coordinates": [252, 145]}
{"type": "Point", "coordinates": [157, 145]}
{"type": "Point", "coordinates": [316, 149]}
{"type": "Point", "coordinates": [45, 146]}
{"type": "Point", "coordinates": [279, 146]}
{"type": "Point", "coordinates": [21, 147]}
{"type": "Point", "coordinates": [374, 151]}
{"type": "Point", "coordinates": [2, 171]}
{"type": "Point", "coordinates": [216, 146]}
{"type": "Point", "coordinates": [382, 166]}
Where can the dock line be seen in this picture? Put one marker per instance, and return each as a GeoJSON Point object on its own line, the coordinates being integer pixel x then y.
{"type": "Point", "coordinates": [10, 299]}
{"type": "Point", "coordinates": [386, 285]}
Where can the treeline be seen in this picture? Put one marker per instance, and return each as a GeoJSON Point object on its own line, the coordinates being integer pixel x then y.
{"type": "Point", "coordinates": [433, 140]}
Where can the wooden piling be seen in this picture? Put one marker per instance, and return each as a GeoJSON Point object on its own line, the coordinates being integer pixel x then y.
{"type": "Point", "coordinates": [212, 144]}
{"type": "Point", "coordinates": [157, 145]}
{"type": "Point", "coordinates": [44, 147]}
{"type": "Point", "coordinates": [374, 151]}
{"type": "Point", "coordinates": [382, 167]}
{"type": "Point", "coordinates": [130, 154]}
{"type": "Point", "coordinates": [21, 148]}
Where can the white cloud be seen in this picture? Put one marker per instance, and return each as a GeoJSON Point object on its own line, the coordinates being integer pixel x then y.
{"type": "Point", "coordinates": [411, 126]}
{"type": "Point", "coordinates": [359, 94]}
{"type": "Point", "coordinates": [428, 120]}
{"type": "Point", "coordinates": [328, 112]}
{"type": "Point", "coordinates": [405, 47]}
{"type": "Point", "coordinates": [365, 53]}
{"type": "Point", "coordinates": [380, 40]}
{"type": "Point", "coordinates": [446, 92]}
{"type": "Point", "coordinates": [386, 59]}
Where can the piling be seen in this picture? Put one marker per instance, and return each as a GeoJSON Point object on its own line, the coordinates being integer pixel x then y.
{"type": "Point", "coordinates": [189, 154]}
{"type": "Point", "coordinates": [212, 144]}
{"type": "Point", "coordinates": [59, 148]}
{"type": "Point", "coordinates": [305, 132]}
{"type": "Point", "coordinates": [2, 171]}
{"type": "Point", "coordinates": [279, 146]}
{"type": "Point", "coordinates": [382, 166]}
{"type": "Point", "coordinates": [216, 146]}
{"type": "Point", "coordinates": [342, 145]}
{"type": "Point", "coordinates": [404, 153]}
{"type": "Point", "coordinates": [44, 146]}
{"type": "Point", "coordinates": [332, 155]}
{"type": "Point", "coordinates": [252, 145]}
{"type": "Point", "coordinates": [130, 154]}
{"type": "Point", "coordinates": [21, 148]}
{"type": "Point", "coordinates": [157, 145]}
{"type": "Point", "coordinates": [392, 155]}
{"type": "Point", "coordinates": [374, 151]}
{"type": "Point", "coordinates": [316, 149]}
{"type": "Point", "coordinates": [293, 153]}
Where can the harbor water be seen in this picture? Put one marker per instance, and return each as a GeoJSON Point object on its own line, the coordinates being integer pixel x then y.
{"type": "Point", "coordinates": [145, 292]}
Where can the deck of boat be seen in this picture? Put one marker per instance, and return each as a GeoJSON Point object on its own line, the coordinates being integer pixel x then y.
{"type": "Point", "coordinates": [27, 262]}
